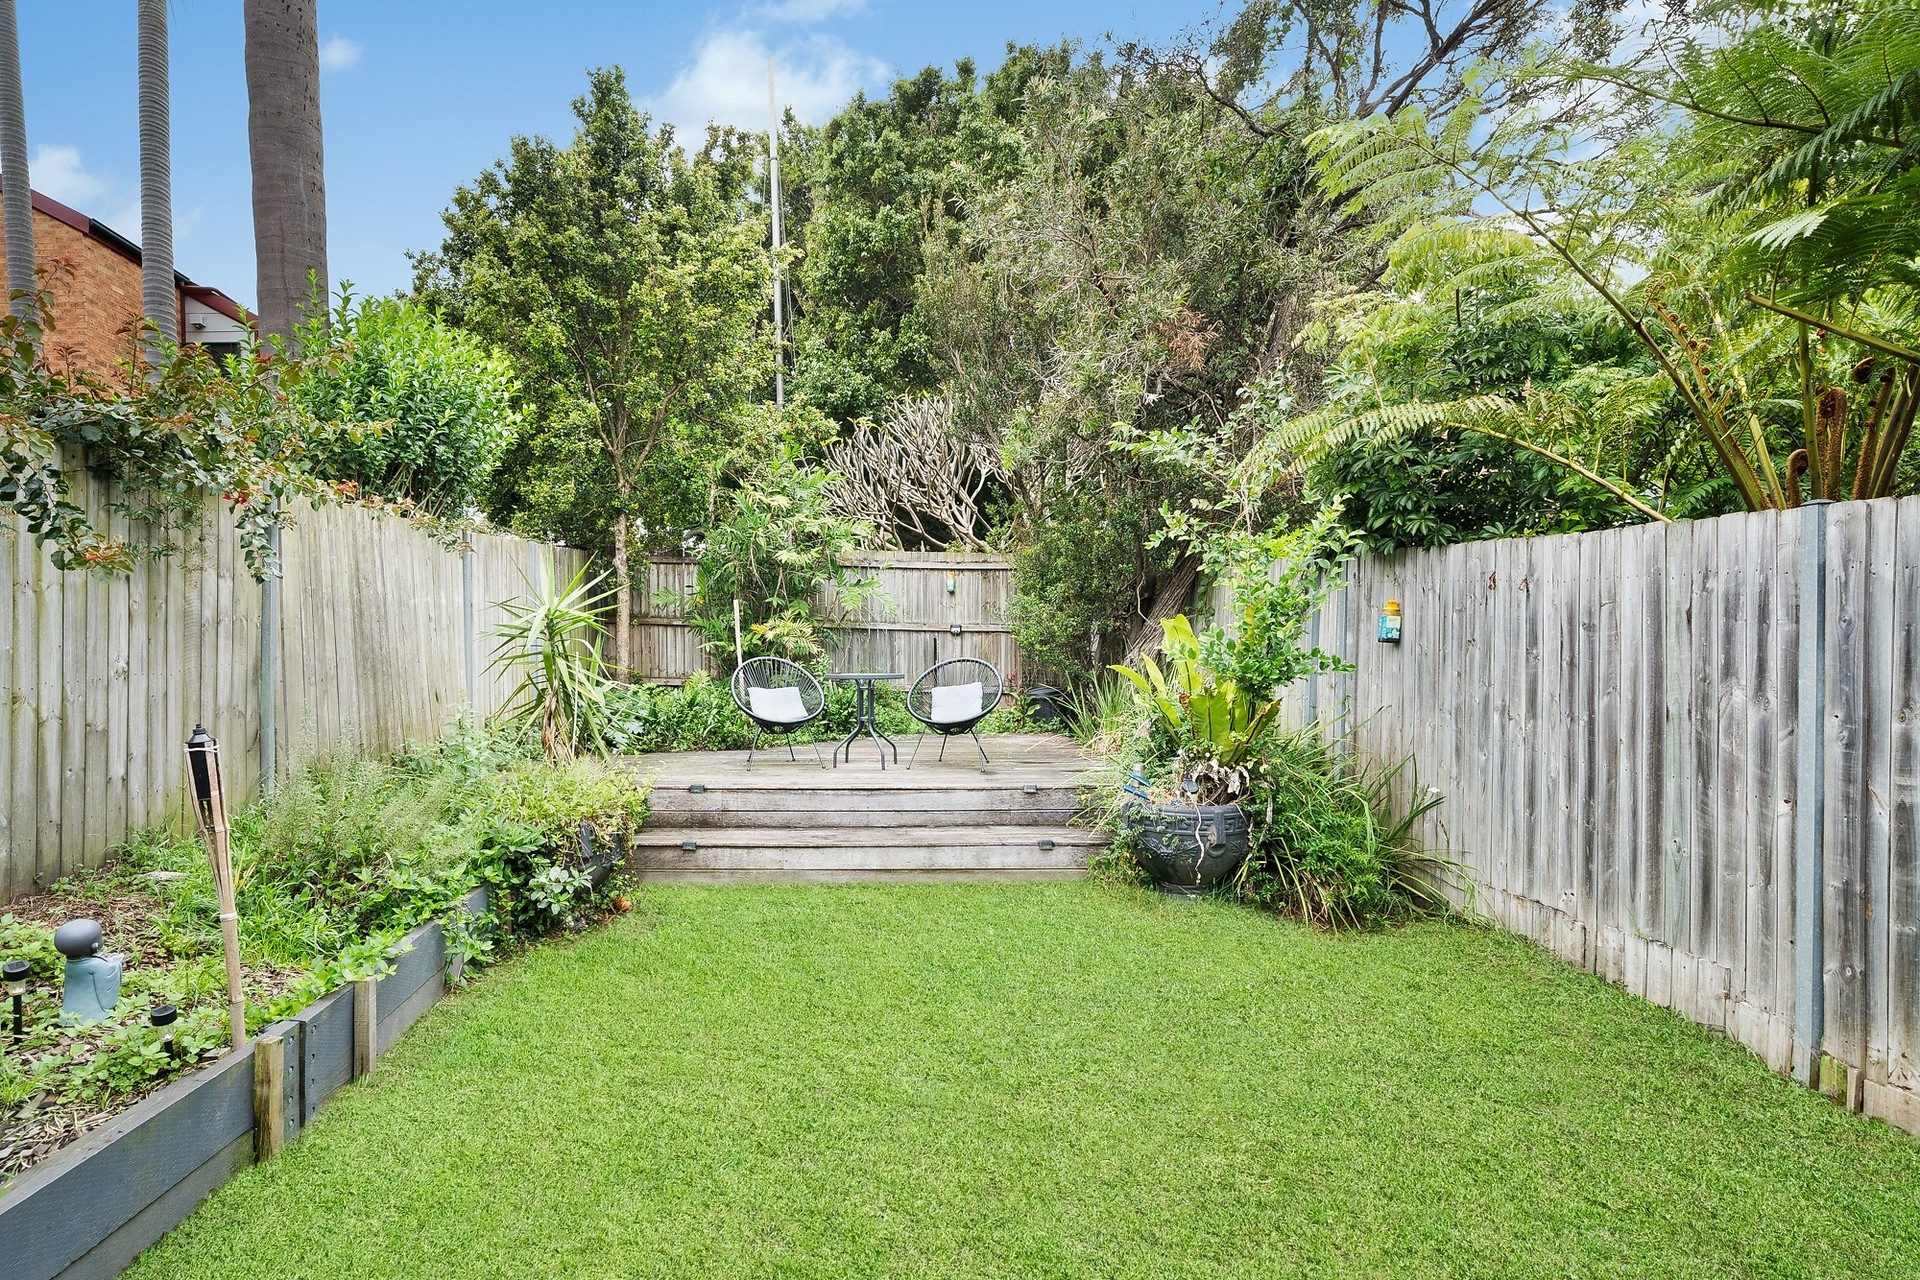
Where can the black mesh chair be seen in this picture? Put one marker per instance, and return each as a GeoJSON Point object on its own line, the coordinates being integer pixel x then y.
{"type": "Point", "coordinates": [778, 697]}
{"type": "Point", "coordinates": [953, 697]}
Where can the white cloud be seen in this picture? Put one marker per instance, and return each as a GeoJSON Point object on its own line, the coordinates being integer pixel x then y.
{"type": "Point", "coordinates": [58, 171]}
{"type": "Point", "coordinates": [727, 81]}
{"type": "Point", "coordinates": [809, 10]}
{"type": "Point", "coordinates": [339, 54]}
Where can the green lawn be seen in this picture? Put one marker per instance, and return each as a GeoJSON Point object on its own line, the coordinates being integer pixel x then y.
{"type": "Point", "coordinates": [1056, 1080]}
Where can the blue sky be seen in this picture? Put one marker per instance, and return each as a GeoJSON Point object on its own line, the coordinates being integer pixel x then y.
{"type": "Point", "coordinates": [419, 97]}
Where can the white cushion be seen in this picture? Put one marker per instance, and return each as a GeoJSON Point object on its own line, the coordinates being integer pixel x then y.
{"type": "Point", "coordinates": [953, 703]}
{"type": "Point", "coordinates": [777, 706]}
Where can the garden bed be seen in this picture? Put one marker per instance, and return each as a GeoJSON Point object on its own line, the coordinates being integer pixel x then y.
{"type": "Point", "coordinates": [346, 857]}
{"type": "Point", "coordinates": [91, 1209]}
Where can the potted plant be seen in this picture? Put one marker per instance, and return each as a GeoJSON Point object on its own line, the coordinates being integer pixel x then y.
{"type": "Point", "coordinates": [1208, 708]}
{"type": "Point", "coordinates": [1196, 837]}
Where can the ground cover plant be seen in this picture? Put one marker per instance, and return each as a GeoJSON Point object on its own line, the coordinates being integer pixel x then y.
{"type": "Point", "coordinates": [350, 853]}
{"type": "Point", "coordinates": [1062, 1080]}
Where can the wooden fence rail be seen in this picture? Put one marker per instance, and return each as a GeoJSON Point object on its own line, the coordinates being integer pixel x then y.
{"type": "Point", "coordinates": [1684, 756]}
{"type": "Point", "coordinates": [905, 625]}
{"type": "Point", "coordinates": [381, 638]}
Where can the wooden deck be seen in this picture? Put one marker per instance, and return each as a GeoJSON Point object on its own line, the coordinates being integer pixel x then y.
{"type": "Point", "coordinates": [717, 818]}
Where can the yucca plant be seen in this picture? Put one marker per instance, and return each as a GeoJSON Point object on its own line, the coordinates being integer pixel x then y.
{"type": "Point", "coordinates": [551, 645]}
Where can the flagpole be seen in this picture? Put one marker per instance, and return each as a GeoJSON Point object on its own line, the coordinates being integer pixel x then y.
{"type": "Point", "coordinates": [773, 183]}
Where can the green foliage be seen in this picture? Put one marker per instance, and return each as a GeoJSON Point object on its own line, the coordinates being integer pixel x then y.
{"type": "Point", "coordinates": [625, 279]}
{"type": "Point", "coordinates": [32, 943]}
{"type": "Point", "coordinates": [171, 441]}
{"type": "Point", "coordinates": [331, 870]}
{"type": "Point", "coordinates": [1274, 584]}
{"type": "Point", "coordinates": [550, 646]}
{"type": "Point", "coordinates": [133, 1057]}
{"type": "Point", "coordinates": [779, 549]}
{"type": "Point", "coordinates": [1660, 210]}
{"type": "Point", "coordinates": [1327, 847]}
{"type": "Point", "coordinates": [1079, 580]}
{"type": "Point", "coordinates": [697, 716]}
{"type": "Point", "coordinates": [700, 715]}
{"type": "Point", "coordinates": [1212, 718]}
{"type": "Point", "coordinates": [435, 406]}
{"type": "Point", "coordinates": [553, 800]}
{"type": "Point", "coordinates": [1808, 113]}
{"type": "Point", "coordinates": [880, 179]}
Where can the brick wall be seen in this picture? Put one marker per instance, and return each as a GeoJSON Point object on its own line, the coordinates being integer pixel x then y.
{"type": "Point", "coordinates": [96, 298]}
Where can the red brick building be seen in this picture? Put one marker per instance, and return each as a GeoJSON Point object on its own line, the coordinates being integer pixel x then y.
{"type": "Point", "coordinates": [95, 277]}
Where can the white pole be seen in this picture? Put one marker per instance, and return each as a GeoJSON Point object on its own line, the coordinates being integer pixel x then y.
{"type": "Point", "coordinates": [773, 184]}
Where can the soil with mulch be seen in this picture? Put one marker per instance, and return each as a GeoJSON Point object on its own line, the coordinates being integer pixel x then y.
{"type": "Point", "coordinates": [130, 922]}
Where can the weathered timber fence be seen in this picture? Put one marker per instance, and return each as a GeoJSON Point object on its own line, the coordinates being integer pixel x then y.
{"type": "Point", "coordinates": [1684, 756]}
{"type": "Point", "coordinates": [380, 636]}
{"type": "Point", "coordinates": [906, 625]}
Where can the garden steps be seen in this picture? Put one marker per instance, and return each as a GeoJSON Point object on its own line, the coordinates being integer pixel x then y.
{"type": "Point", "coordinates": [717, 818]}
{"type": "Point", "coordinates": [744, 852]}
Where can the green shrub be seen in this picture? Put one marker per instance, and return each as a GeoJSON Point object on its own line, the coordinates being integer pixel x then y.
{"type": "Point", "coordinates": [440, 404]}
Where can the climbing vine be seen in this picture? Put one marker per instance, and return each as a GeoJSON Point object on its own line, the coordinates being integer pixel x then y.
{"type": "Point", "coordinates": [167, 442]}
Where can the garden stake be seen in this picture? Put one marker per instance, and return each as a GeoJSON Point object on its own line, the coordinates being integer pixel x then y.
{"type": "Point", "coordinates": [210, 811]}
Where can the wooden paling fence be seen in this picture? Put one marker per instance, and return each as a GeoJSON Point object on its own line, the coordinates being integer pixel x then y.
{"type": "Point", "coordinates": [1684, 756]}
{"type": "Point", "coordinates": [381, 636]}
{"type": "Point", "coordinates": [906, 625]}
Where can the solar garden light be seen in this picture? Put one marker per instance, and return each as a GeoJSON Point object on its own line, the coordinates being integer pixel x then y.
{"type": "Point", "coordinates": [210, 811]}
{"type": "Point", "coordinates": [162, 1019]}
{"type": "Point", "coordinates": [15, 976]}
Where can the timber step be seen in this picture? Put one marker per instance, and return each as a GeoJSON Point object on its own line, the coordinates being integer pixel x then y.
{"type": "Point", "coordinates": [731, 805]}
{"type": "Point", "coordinates": [696, 853]}
{"type": "Point", "coordinates": [716, 817]}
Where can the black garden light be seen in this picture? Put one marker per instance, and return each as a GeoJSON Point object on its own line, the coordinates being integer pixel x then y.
{"type": "Point", "coordinates": [15, 974]}
{"type": "Point", "coordinates": [210, 811]}
{"type": "Point", "coordinates": [162, 1019]}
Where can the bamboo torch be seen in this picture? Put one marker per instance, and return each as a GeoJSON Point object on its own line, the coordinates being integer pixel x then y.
{"type": "Point", "coordinates": [210, 810]}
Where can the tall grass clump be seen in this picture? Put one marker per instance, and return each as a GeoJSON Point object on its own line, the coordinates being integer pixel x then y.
{"type": "Point", "coordinates": [1329, 847]}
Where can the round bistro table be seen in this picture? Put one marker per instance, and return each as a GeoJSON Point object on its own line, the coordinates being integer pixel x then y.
{"type": "Point", "coordinates": [865, 683]}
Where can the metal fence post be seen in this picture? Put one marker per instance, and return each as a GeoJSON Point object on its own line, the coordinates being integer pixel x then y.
{"type": "Point", "coordinates": [1810, 802]}
{"type": "Point", "coordinates": [270, 666]}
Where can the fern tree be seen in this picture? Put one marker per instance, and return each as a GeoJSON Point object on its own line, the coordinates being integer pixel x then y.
{"type": "Point", "coordinates": [1666, 210]}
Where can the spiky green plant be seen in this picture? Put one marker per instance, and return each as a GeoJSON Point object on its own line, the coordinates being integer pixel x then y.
{"type": "Point", "coordinates": [550, 644]}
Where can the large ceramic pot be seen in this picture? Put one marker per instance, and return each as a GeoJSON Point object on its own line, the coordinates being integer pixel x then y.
{"type": "Point", "coordinates": [1190, 849]}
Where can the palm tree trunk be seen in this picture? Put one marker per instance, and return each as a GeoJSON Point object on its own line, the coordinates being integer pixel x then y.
{"type": "Point", "coordinates": [158, 300]}
{"type": "Point", "coordinates": [289, 180]}
{"type": "Point", "coordinates": [17, 195]}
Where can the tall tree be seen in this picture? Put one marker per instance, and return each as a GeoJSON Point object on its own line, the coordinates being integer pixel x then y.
{"type": "Point", "coordinates": [284, 143]}
{"type": "Point", "coordinates": [158, 300]}
{"type": "Point", "coordinates": [627, 281]}
{"type": "Point", "coordinates": [18, 194]}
